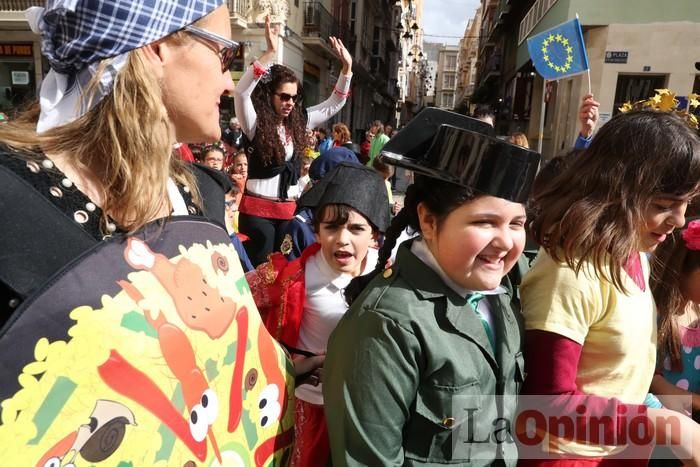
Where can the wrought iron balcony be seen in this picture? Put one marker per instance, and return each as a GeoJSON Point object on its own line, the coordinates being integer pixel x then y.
{"type": "Point", "coordinates": [318, 22]}
{"type": "Point", "coordinates": [19, 5]}
{"type": "Point", "coordinates": [491, 68]}
{"type": "Point", "coordinates": [236, 7]}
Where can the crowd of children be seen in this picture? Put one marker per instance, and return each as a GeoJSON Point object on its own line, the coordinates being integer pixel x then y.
{"type": "Point", "coordinates": [445, 317]}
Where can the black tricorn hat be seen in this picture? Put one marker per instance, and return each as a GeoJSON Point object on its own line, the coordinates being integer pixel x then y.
{"type": "Point", "coordinates": [464, 155]}
{"type": "Point", "coordinates": [354, 185]}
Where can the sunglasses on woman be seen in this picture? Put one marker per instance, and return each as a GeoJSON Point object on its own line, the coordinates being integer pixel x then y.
{"type": "Point", "coordinates": [284, 97]}
{"type": "Point", "coordinates": [228, 50]}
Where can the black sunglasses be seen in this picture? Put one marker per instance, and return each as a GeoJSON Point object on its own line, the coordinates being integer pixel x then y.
{"type": "Point", "coordinates": [284, 97]}
{"type": "Point", "coordinates": [227, 53]}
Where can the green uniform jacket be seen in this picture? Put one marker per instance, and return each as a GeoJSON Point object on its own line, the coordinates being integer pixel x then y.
{"type": "Point", "coordinates": [410, 377]}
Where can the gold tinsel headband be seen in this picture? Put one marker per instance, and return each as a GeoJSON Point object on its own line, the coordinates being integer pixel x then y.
{"type": "Point", "coordinates": [665, 101]}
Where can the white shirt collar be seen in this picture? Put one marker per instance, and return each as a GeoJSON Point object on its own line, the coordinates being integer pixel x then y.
{"type": "Point", "coordinates": [423, 253]}
{"type": "Point", "coordinates": [326, 275]}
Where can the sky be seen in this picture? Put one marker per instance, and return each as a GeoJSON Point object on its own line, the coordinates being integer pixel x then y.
{"type": "Point", "coordinates": [447, 18]}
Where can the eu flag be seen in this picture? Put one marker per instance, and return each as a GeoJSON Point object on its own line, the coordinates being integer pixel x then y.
{"type": "Point", "coordinates": [559, 52]}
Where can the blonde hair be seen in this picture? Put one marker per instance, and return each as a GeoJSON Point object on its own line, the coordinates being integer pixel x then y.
{"type": "Point", "coordinates": [128, 134]}
{"type": "Point", "coordinates": [342, 130]}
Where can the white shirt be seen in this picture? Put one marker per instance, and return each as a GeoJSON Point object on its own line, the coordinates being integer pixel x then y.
{"type": "Point", "coordinates": [323, 307]}
{"type": "Point", "coordinates": [248, 118]}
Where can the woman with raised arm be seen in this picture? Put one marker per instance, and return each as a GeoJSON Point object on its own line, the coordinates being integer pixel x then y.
{"type": "Point", "coordinates": [268, 102]}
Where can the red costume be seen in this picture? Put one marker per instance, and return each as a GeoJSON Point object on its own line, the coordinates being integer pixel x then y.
{"type": "Point", "coordinates": [279, 290]}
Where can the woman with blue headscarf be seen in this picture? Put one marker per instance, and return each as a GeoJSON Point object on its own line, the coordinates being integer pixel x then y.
{"type": "Point", "coordinates": [119, 290]}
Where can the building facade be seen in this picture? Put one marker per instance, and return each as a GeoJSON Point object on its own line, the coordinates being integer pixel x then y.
{"type": "Point", "coordinates": [21, 64]}
{"type": "Point", "coordinates": [446, 77]}
{"type": "Point", "coordinates": [631, 52]}
{"type": "Point", "coordinates": [414, 68]}
{"type": "Point", "coordinates": [375, 49]}
{"type": "Point", "coordinates": [467, 64]}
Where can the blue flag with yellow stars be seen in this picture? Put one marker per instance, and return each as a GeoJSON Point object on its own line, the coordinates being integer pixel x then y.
{"type": "Point", "coordinates": [559, 52]}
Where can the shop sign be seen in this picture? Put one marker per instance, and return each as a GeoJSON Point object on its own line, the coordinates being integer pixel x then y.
{"type": "Point", "coordinates": [20, 78]}
{"type": "Point", "coordinates": [616, 57]}
{"type": "Point", "coordinates": [16, 50]}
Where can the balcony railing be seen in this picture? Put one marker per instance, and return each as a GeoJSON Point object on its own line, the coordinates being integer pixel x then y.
{"type": "Point", "coordinates": [318, 22]}
{"type": "Point", "coordinates": [238, 7]}
{"type": "Point", "coordinates": [533, 17]}
{"type": "Point", "coordinates": [19, 5]}
{"type": "Point", "coordinates": [492, 66]}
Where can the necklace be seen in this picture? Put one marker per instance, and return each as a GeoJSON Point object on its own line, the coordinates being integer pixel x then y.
{"type": "Point", "coordinates": [284, 135]}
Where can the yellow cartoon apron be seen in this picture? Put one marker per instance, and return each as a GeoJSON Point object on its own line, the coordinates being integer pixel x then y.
{"type": "Point", "coordinates": [146, 351]}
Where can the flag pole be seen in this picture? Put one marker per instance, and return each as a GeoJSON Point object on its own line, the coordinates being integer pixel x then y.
{"type": "Point", "coordinates": [588, 72]}
{"type": "Point", "coordinates": [542, 111]}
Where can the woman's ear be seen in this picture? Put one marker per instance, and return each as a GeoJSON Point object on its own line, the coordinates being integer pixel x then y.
{"type": "Point", "coordinates": [155, 55]}
{"type": "Point", "coordinates": [428, 222]}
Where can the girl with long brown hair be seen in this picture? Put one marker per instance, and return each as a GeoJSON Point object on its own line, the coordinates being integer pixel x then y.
{"type": "Point", "coordinates": [269, 106]}
{"type": "Point", "coordinates": [588, 308]}
{"type": "Point", "coordinates": [675, 283]}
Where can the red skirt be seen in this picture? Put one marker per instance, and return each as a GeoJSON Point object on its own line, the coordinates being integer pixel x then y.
{"type": "Point", "coordinates": [270, 209]}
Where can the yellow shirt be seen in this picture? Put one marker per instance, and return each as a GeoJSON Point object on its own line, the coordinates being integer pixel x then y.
{"type": "Point", "coordinates": [617, 332]}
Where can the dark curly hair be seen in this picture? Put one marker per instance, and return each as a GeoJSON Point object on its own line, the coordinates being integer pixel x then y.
{"type": "Point", "coordinates": [267, 138]}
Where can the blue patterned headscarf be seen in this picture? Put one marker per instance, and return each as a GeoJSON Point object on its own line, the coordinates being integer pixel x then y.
{"type": "Point", "coordinates": [77, 35]}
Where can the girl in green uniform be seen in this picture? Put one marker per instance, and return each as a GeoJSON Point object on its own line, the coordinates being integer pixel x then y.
{"type": "Point", "coordinates": [416, 369]}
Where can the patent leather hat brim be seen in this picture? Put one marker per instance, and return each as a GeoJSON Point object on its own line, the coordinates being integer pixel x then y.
{"type": "Point", "coordinates": [468, 158]}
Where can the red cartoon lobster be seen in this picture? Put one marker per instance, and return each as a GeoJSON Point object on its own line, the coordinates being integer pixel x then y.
{"type": "Point", "coordinates": [202, 308]}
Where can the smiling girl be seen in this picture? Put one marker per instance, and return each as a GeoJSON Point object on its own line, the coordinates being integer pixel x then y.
{"type": "Point", "coordinates": [430, 346]}
{"type": "Point", "coordinates": [302, 300]}
{"type": "Point", "coordinates": [589, 311]}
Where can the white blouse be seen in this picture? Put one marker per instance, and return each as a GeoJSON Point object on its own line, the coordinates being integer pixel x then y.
{"type": "Point", "coordinates": [248, 119]}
